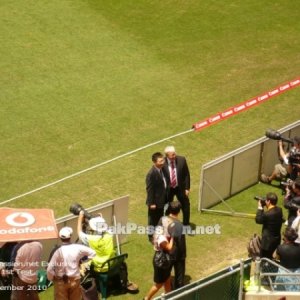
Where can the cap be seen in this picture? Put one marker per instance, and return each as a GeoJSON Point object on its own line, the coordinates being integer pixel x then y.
{"type": "Point", "coordinates": [98, 224]}
{"type": "Point", "coordinates": [65, 232]}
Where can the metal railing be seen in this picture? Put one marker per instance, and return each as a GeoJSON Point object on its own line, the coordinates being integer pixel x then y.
{"type": "Point", "coordinates": [274, 276]}
{"type": "Point", "coordinates": [225, 284]}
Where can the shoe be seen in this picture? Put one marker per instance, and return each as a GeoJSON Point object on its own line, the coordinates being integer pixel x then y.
{"type": "Point", "coordinates": [265, 179]}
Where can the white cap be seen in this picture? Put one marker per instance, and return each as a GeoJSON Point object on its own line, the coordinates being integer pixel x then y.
{"type": "Point", "coordinates": [65, 232]}
{"type": "Point", "coordinates": [170, 149]}
{"type": "Point", "coordinates": [98, 224]}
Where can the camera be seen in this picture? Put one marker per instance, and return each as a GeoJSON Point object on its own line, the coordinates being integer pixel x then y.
{"type": "Point", "coordinates": [288, 183]}
{"type": "Point", "coordinates": [275, 135]}
{"type": "Point", "coordinates": [76, 208]}
{"type": "Point", "coordinates": [65, 278]}
{"type": "Point", "coordinates": [262, 200]}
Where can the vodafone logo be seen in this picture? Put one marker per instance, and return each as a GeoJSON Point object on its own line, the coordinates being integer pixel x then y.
{"type": "Point", "coordinates": [20, 219]}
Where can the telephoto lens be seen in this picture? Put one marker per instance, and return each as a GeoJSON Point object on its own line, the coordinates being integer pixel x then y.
{"type": "Point", "coordinates": [76, 208]}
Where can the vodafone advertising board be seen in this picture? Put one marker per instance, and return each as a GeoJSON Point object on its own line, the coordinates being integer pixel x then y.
{"type": "Point", "coordinates": [22, 224]}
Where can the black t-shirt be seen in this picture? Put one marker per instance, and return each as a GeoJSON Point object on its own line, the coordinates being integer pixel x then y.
{"type": "Point", "coordinates": [175, 230]}
{"type": "Point", "coordinates": [289, 255]}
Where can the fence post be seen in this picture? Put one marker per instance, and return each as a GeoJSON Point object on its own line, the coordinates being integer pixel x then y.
{"type": "Point", "coordinates": [241, 279]}
{"type": "Point", "coordinates": [257, 273]}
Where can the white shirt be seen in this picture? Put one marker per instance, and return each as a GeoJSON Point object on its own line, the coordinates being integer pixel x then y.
{"type": "Point", "coordinates": [66, 259]}
{"type": "Point", "coordinates": [28, 260]}
{"type": "Point", "coordinates": [296, 226]}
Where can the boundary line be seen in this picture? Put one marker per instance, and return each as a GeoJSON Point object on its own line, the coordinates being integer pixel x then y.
{"type": "Point", "coordinates": [94, 167]}
{"type": "Point", "coordinates": [196, 127]}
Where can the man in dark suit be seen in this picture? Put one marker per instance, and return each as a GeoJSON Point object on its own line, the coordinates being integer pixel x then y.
{"type": "Point", "coordinates": [178, 178]}
{"type": "Point", "coordinates": [156, 187]}
{"type": "Point", "coordinates": [271, 219]}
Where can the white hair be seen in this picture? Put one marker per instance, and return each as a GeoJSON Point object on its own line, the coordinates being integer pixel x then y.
{"type": "Point", "coordinates": [170, 149]}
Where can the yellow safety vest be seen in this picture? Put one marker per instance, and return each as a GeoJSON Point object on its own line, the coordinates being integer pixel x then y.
{"type": "Point", "coordinates": [104, 248]}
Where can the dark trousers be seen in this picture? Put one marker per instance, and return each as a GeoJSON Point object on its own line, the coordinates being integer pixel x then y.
{"type": "Point", "coordinates": [184, 201]}
{"type": "Point", "coordinates": [154, 216]}
{"type": "Point", "coordinates": [179, 273]}
{"type": "Point", "coordinates": [23, 290]}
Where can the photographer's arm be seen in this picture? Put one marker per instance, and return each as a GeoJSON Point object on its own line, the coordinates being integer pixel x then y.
{"type": "Point", "coordinates": [79, 223]}
{"type": "Point", "coordinates": [259, 218]}
{"type": "Point", "coordinates": [282, 154]}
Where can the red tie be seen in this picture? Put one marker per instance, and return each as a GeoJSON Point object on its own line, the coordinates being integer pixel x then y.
{"type": "Point", "coordinates": [173, 175]}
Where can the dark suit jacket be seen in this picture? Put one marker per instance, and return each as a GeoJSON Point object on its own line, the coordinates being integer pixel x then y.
{"type": "Point", "coordinates": [183, 173]}
{"type": "Point", "coordinates": [271, 231]}
{"type": "Point", "coordinates": [155, 187]}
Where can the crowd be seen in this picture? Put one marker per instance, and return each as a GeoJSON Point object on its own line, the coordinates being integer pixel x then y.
{"type": "Point", "coordinates": [69, 261]}
{"type": "Point", "coordinates": [67, 265]}
{"type": "Point", "coordinates": [169, 177]}
{"type": "Point", "coordinates": [270, 215]}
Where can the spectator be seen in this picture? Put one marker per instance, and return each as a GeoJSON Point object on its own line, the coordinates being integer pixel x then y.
{"type": "Point", "coordinates": [280, 170]}
{"type": "Point", "coordinates": [178, 252]}
{"type": "Point", "coordinates": [63, 268]}
{"type": "Point", "coordinates": [178, 178]}
{"type": "Point", "coordinates": [162, 277]}
{"type": "Point", "coordinates": [271, 220]}
{"type": "Point", "coordinates": [292, 200]}
{"type": "Point", "coordinates": [288, 254]}
{"type": "Point", "coordinates": [26, 258]}
{"type": "Point", "coordinates": [5, 269]}
{"type": "Point", "coordinates": [156, 187]}
{"type": "Point", "coordinates": [296, 226]}
{"type": "Point", "coordinates": [294, 159]}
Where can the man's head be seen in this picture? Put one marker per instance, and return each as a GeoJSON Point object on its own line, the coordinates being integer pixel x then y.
{"type": "Point", "coordinates": [65, 234]}
{"type": "Point", "coordinates": [174, 207]}
{"type": "Point", "coordinates": [296, 141]}
{"type": "Point", "coordinates": [170, 152]}
{"type": "Point", "coordinates": [290, 235]}
{"type": "Point", "coordinates": [271, 199]}
{"type": "Point", "coordinates": [158, 159]}
{"type": "Point", "coordinates": [296, 186]}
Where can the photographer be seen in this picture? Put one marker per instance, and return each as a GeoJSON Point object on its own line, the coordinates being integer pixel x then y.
{"type": "Point", "coordinates": [292, 200]}
{"type": "Point", "coordinates": [101, 240]}
{"type": "Point", "coordinates": [293, 156]}
{"type": "Point", "coordinates": [280, 170]}
{"type": "Point", "coordinates": [271, 218]}
{"type": "Point", "coordinates": [294, 159]}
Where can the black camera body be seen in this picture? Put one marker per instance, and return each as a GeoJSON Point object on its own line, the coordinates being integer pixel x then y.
{"type": "Point", "coordinates": [288, 183]}
{"type": "Point", "coordinates": [261, 199]}
{"type": "Point", "coordinates": [65, 278]}
{"type": "Point", "coordinates": [76, 208]}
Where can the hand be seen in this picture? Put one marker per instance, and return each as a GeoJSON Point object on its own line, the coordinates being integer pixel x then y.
{"type": "Point", "coordinates": [81, 214]}
{"type": "Point", "coordinates": [153, 206]}
{"type": "Point", "coordinates": [187, 192]}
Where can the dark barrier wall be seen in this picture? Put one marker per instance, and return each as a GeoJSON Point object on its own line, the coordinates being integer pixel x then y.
{"type": "Point", "coordinates": [224, 284]}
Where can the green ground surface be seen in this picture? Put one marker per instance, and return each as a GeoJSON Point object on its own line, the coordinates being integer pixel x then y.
{"type": "Point", "coordinates": [85, 81]}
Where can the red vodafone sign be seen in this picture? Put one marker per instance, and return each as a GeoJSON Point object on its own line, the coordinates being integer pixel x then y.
{"type": "Point", "coordinates": [21, 224]}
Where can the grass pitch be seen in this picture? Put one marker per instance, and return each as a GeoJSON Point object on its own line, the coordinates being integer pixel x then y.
{"type": "Point", "coordinates": [85, 81]}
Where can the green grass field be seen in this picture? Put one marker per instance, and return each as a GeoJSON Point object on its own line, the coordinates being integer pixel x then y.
{"type": "Point", "coordinates": [85, 81]}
